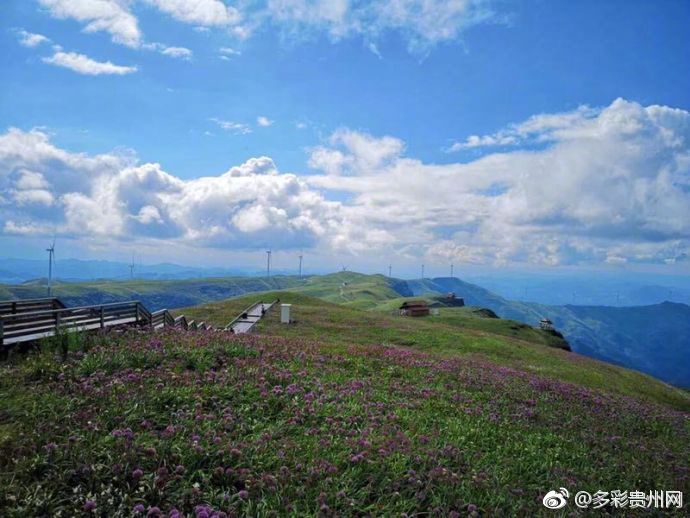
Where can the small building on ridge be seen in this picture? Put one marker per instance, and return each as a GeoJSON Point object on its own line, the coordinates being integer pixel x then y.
{"type": "Point", "coordinates": [414, 308]}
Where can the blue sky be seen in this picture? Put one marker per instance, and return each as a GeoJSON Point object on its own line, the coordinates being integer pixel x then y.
{"type": "Point", "coordinates": [467, 115]}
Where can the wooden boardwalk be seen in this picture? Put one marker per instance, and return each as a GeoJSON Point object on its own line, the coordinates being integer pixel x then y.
{"type": "Point", "coordinates": [31, 320]}
{"type": "Point", "coordinates": [246, 320]}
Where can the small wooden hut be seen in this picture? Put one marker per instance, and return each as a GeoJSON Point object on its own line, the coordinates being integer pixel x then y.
{"type": "Point", "coordinates": [414, 308]}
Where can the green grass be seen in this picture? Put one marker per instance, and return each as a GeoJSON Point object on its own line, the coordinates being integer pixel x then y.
{"type": "Point", "coordinates": [262, 426]}
{"type": "Point", "coordinates": [456, 332]}
{"type": "Point", "coordinates": [349, 289]}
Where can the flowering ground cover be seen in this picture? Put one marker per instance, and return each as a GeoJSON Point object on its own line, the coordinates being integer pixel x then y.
{"type": "Point", "coordinates": [457, 332]}
{"type": "Point", "coordinates": [210, 424]}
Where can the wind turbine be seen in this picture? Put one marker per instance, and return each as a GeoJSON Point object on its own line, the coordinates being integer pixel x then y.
{"type": "Point", "coordinates": [422, 271]}
{"type": "Point", "coordinates": [300, 264]}
{"type": "Point", "coordinates": [390, 269]}
{"type": "Point", "coordinates": [51, 260]}
{"type": "Point", "coordinates": [131, 268]}
{"type": "Point", "coordinates": [451, 270]}
{"type": "Point", "coordinates": [268, 263]}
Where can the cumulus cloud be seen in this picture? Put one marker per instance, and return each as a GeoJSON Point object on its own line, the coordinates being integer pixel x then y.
{"type": "Point", "coordinates": [30, 39]}
{"type": "Point", "coordinates": [609, 185]}
{"type": "Point", "coordinates": [352, 152]}
{"type": "Point", "coordinates": [48, 190]}
{"type": "Point", "coordinates": [111, 16]}
{"type": "Point", "coordinates": [85, 65]}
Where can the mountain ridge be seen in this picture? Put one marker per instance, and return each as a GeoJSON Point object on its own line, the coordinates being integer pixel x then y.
{"type": "Point", "coordinates": [620, 335]}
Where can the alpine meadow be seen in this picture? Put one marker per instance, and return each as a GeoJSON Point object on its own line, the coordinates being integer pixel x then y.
{"type": "Point", "coordinates": [358, 258]}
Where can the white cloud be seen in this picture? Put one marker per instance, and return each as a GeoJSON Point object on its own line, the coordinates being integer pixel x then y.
{"type": "Point", "coordinates": [111, 16]}
{"type": "Point", "coordinates": [264, 122]}
{"type": "Point", "coordinates": [85, 65]}
{"type": "Point", "coordinates": [112, 197]}
{"type": "Point", "coordinates": [609, 186]}
{"type": "Point", "coordinates": [359, 152]}
{"type": "Point", "coordinates": [423, 23]}
{"type": "Point", "coordinates": [33, 196]}
{"type": "Point", "coordinates": [30, 39]}
{"type": "Point", "coordinates": [538, 128]}
{"type": "Point", "coordinates": [228, 52]}
{"type": "Point", "coordinates": [173, 52]}
{"type": "Point", "coordinates": [610, 183]}
{"type": "Point", "coordinates": [205, 13]}
{"type": "Point", "coordinates": [237, 128]}
{"type": "Point", "coordinates": [177, 52]}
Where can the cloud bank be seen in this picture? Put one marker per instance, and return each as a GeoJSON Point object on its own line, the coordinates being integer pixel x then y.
{"type": "Point", "coordinates": [609, 185]}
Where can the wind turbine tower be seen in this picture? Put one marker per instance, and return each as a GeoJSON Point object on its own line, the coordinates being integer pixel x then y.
{"type": "Point", "coordinates": [422, 271]}
{"type": "Point", "coordinates": [300, 264]}
{"type": "Point", "coordinates": [131, 268]}
{"type": "Point", "coordinates": [451, 270]}
{"type": "Point", "coordinates": [268, 263]}
{"type": "Point", "coordinates": [390, 269]}
{"type": "Point", "coordinates": [51, 260]}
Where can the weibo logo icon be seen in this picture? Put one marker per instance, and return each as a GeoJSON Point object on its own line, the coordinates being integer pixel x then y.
{"type": "Point", "coordinates": [556, 499]}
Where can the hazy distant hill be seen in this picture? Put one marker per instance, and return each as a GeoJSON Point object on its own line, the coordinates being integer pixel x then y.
{"type": "Point", "coordinates": [17, 271]}
{"type": "Point", "coordinates": [610, 288]}
{"type": "Point", "coordinates": [153, 294]}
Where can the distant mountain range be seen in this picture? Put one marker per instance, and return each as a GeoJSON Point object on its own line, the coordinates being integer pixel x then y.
{"type": "Point", "coordinates": [654, 339]}
{"type": "Point", "coordinates": [17, 271]}
{"type": "Point", "coordinates": [619, 288]}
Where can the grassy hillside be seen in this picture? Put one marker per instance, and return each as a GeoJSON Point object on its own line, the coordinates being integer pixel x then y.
{"type": "Point", "coordinates": [654, 339]}
{"type": "Point", "coordinates": [197, 423]}
{"type": "Point", "coordinates": [457, 332]}
{"type": "Point", "coordinates": [353, 289]}
{"type": "Point", "coordinates": [624, 336]}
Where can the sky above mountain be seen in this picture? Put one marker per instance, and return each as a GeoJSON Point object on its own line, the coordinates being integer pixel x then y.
{"type": "Point", "coordinates": [503, 134]}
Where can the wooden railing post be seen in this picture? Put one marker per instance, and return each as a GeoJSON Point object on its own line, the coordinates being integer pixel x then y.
{"type": "Point", "coordinates": [137, 313]}
{"type": "Point", "coordinates": [2, 333]}
{"type": "Point", "coordinates": [102, 317]}
{"type": "Point", "coordinates": [14, 307]}
{"type": "Point", "coordinates": [57, 322]}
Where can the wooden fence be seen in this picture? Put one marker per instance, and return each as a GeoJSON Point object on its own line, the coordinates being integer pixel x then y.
{"type": "Point", "coordinates": [29, 320]}
{"type": "Point", "coordinates": [29, 305]}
